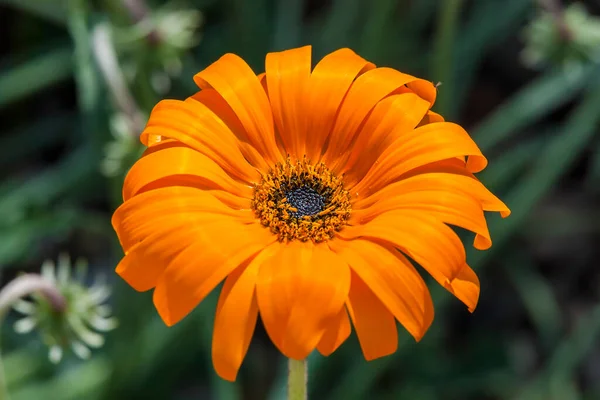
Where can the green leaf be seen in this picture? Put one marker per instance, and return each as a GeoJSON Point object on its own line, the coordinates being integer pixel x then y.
{"type": "Point", "coordinates": [550, 164]}
{"type": "Point", "coordinates": [83, 382]}
{"type": "Point", "coordinates": [506, 166]}
{"type": "Point", "coordinates": [443, 54]}
{"type": "Point", "coordinates": [531, 103]}
{"type": "Point", "coordinates": [20, 367]}
{"type": "Point", "coordinates": [19, 198]}
{"type": "Point", "coordinates": [483, 31]}
{"type": "Point", "coordinates": [34, 137]}
{"type": "Point", "coordinates": [53, 11]}
{"type": "Point", "coordinates": [537, 295]}
{"type": "Point", "coordinates": [17, 242]}
{"type": "Point", "coordinates": [35, 74]}
{"type": "Point", "coordinates": [566, 359]}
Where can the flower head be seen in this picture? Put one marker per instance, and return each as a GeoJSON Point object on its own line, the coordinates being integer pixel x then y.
{"type": "Point", "coordinates": [74, 326]}
{"type": "Point", "coordinates": [308, 192]}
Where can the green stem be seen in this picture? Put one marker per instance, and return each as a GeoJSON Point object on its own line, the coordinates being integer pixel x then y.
{"type": "Point", "coordinates": [297, 376]}
{"type": "Point", "coordinates": [19, 287]}
{"type": "Point", "coordinates": [443, 52]}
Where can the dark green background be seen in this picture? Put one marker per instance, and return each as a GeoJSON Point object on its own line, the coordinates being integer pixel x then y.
{"type": "Point", "coordinates": [535, 333]}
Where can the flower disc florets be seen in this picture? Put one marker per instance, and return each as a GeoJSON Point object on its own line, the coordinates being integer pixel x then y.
{"type": "Point", "coordinates": [302, 201]}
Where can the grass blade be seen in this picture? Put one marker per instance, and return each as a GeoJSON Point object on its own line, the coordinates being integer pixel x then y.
{"type": "Point", "coordinates": [551, 163]}
{"type": "Point", "coordinates": [533, 102]}
{"type": "Point", "coordinates": [35, 74]}
{"type": "Point", "coordinates": [566, 359]}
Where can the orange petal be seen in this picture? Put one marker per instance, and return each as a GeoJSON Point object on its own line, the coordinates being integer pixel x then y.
{"type": "Point", "coordinates": [300, 292]}
{"type": "Point", "coordinates": [195, 271]}
{"type": "Point", "coordinates": [217, 104]}
{"type": "Point", "coordinates": [239, 86]}
{"type": "Point", "coordinates": [195, 125]}
{"type": "Point", "coordinates": [335, 334]}
{"type": "Point", "coordinates": [198, 169]}
{"type": "Point", "coordinates": [368, 89]}
{"type": "Point", "coordinates": [288, 81]}
{"type": "Point", "coordinates": [422, 146]}
{"type": "Point", "coordinates": [329, 82]}
{"type": "Point", "coordinates": [425, 239]}
{"type": "Point", "coordinates": [148, 212]}
{"type": "Point", "coordinates": [433, 194]}
{"type": "Point", "coordinates": [235, 318]}
{"type": "Point", "coordinates": [465, 287]}
{"type": "Point", "coordinates": [430, 118]}
{"type": "Point", "coordinates": [393, 280]}
{"type": "Point", "coordinates": [454, 175]}
{"type": "Point", "coordinates": [424, 89]}
{"type": "Point", "coordinates": [397, 114]}
{"type": "Point", "coordinates": [374, 323]}
{"type": "Point", "coordinates": [145, 262]}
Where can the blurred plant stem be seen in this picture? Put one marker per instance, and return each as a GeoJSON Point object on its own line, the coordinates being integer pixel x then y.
{"type": "Point", "coordinates": [19, 287]}
{"type": "Point", "coordinates": [106, 58]}
{"type": "Point", "coordinates": [87, 85]}
{"type": "Point", "coordinates": [442, 62]}
{"type": "Point", "coordinates": [297, 379]}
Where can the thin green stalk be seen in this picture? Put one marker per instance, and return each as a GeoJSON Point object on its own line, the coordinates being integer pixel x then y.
{"type": "Point", "coordinates": [297, 377]}
{"type": "Point", "coordinates": [443, 62]}
{"type": "Point", "coordinates": [20, 287]}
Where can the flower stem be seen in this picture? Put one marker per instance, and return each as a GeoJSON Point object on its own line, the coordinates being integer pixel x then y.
{"type": "Point", "coordinates": [19, 287]}
{"type": "Point", "coordinates": [297, 377]}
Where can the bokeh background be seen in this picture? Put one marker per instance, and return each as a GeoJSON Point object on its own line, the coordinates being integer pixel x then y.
{"type": "Point", "coordinates": [78, 79]}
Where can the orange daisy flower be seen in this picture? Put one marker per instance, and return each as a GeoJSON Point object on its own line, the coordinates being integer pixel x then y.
{"type": "Point", "coordinates": [308, 192]}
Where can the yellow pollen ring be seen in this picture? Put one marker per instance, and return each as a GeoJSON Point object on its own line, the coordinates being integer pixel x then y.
{"type": "Point", "coordinates": [321, 204]}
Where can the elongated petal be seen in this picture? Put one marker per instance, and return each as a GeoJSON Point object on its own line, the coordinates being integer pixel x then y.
{"type": "Point", "coordinates": [434, 195]}
{"type": "Point", "coordinates": [145, 213]}
{"type": "Point", "coordinates": [288, 82]}
{"type": "Point", "coordinates": [335, 334]}
{"type": "Point", "coordinates": [195, 125]}
{"type": "Point", "coordinates": [374, 323]}
{"type": "Point", "coordinates": [425, 239]}
{"type": "Point", "coordinates": [393, 280]}
{"type": "Point", "coordinates": [368, 89]}
{"type": "Point", "coordinates": [465, 287]}
{"type": "Point", "coordinates": [234, 80]}
{"type": "Point", "coordinates": [236, 316]}
{"type": "Point", "coordinates": [181, 162]}
{"type": "Point", "coordinates": [146, 261]}
{"type": "Point", "coordinates": [329, 82]}
{"type": "Point", "coordinates": [424, 145]}
{"type": "Point", "coordinates": [397, 114]}
{"type": "Point", "coordinates": [300, 291]}
{"type": "Point", "coordinates": [430, 118]}
{"type": "Point", "coordinates": [452, 174]}
{"type": "Point", "coordinates": [217, 104]}
{"type": "Point", "coordinates": [196, 270]}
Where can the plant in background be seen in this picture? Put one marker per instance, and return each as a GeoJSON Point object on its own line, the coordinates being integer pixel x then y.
{"type": "Point", "coordinates": [157, 42]}
{"type": "Point", "coordinates": [121, 152]}
{"type": "Point", "coordinates": [77, 325]}
{"type": "Point", "coordinates": [275, 184]}
{"type": "Point", "coordinates": [569, 37]}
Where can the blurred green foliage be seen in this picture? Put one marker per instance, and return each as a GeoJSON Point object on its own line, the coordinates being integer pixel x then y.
{"type": "Point", "coordinates": [78, 78]}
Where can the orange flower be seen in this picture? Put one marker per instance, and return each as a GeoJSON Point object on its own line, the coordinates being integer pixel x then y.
{"type": "Point", "coordinates": [307, 192]}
